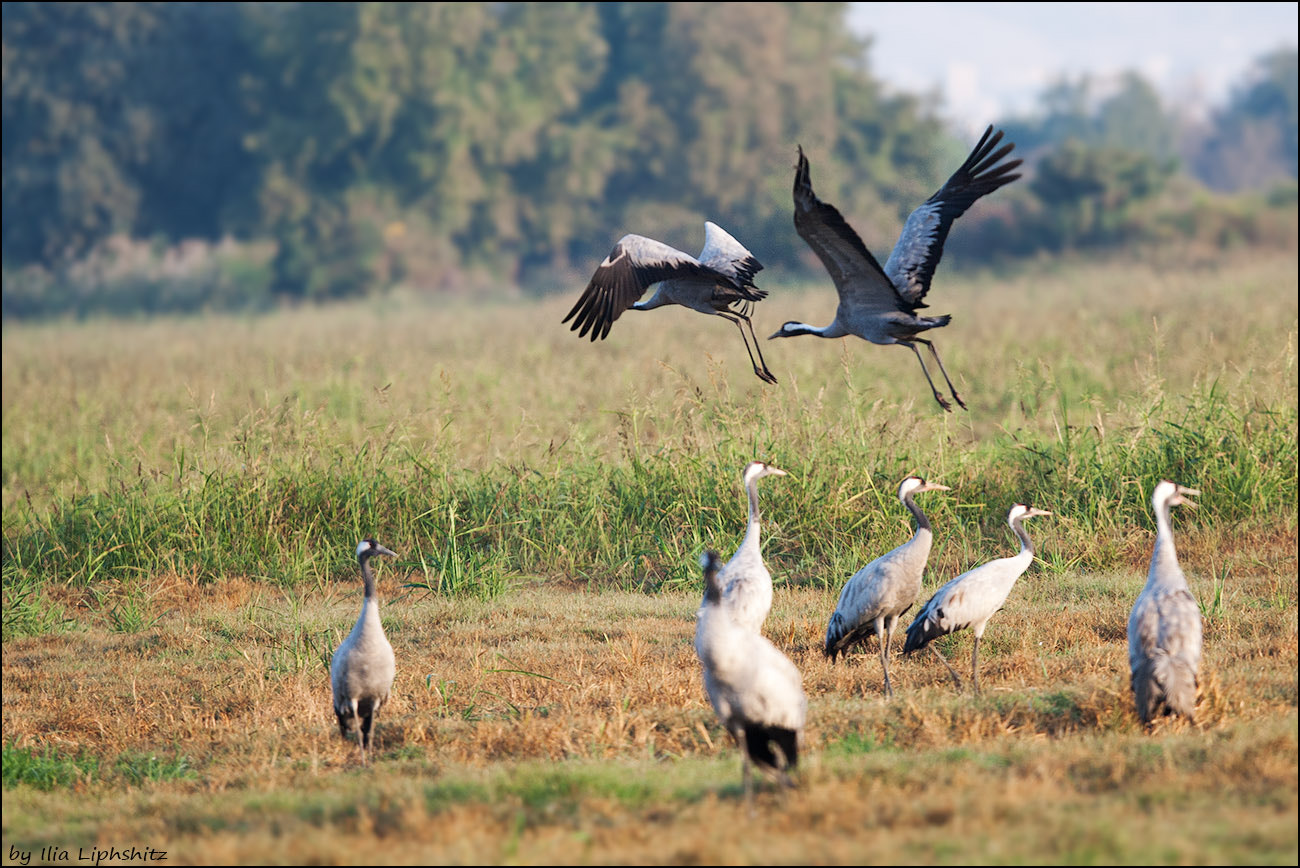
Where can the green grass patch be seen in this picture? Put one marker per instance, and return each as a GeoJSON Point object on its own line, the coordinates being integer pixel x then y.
{"type": "Point", "coordinates": [47, 769]}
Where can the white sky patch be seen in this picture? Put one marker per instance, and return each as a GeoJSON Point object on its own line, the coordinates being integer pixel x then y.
{"type": "Point", "coordinates": [1194, 53]}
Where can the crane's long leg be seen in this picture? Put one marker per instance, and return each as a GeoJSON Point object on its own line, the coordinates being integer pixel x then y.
{"type": "Point", "coordinates": [746, 774]}
{"type": "Point", "coordinates": [361, 742]}
{"type": "Point", "coordinates": [762, 372]}
{"type": "Point", "coordinates": [943, 402]}
{"type": "Point", "coordinates": [884, 653]}
{"type": "Point", "coordinates": [975, 665]}
{"type": "Point", "coordinates": [771, 378]}
{"type": "Point", "coordinates": [956, 679]}
{"type": "Point", "coordinates": [943, 371]}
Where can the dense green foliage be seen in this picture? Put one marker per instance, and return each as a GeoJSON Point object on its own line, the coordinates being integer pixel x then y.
{"type": "Point", "coordinates": [457, 145]}
{"type": "Point", "coordinates": [517, 135]}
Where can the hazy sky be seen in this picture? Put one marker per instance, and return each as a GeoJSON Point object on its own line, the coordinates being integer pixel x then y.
{"type": "Point", "coordinates": [990, 59]}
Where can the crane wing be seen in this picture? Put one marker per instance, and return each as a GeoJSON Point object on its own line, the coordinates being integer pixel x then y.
{"type": "Point", "coordinates": [912, 263]}
{"type": "Point", "coordinates": [631, 267]}
{"type": "Point", "coordinates": [859, 279]}
{"type": "Point", "coordinates": [726, 255]}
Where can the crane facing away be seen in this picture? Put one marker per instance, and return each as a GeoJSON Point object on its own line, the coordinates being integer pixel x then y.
{"type": "Point", "coordinates": [972, 598]}
{"type": "Point", "coordinates": [754, 688]}
{"type": "Point", "coordinates": [881, 592]}
{"type": "Point", "coordinates": [719, 283]}
{"type": "Point", "coordinates": [1164, 629]}
{"type": "Point", "coordinates": [363, 668]}
{"type": "Point", "coordinates": [880, 304]}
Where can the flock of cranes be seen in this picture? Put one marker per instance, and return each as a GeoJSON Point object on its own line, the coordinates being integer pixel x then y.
{"type": "Point", "coordinates": [755, 689]}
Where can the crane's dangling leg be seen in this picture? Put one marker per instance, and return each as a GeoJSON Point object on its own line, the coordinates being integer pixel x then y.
{"type": "Point", "coordinates": [956, 679]}
{"type": "Point", "coordinates": [943, 402]}
{"type": "Point", "coordinates": [943, 371]}
{"type": "Point", "coordinates": [760, 366]}
{"type": "Point", "coordinates": [975, 665]}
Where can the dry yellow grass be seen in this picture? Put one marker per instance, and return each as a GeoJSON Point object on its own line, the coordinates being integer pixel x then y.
{"type": "Point", "coordinates": [554, 725]}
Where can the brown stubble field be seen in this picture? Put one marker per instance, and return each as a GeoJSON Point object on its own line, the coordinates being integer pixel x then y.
{"type": "Point", "coordinates": [554, 711]}
{"type": "Point", "coordinates": [570, 726]}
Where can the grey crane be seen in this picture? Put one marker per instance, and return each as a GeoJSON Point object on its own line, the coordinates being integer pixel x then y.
{"type": "Point", "coordinates": [719, 283]}
{"type": "Point", "coordinates": [363, 668]}
{"type": "Point", "coordinates": [746, 583]}
{"type": "Point", "coordinates": [1164, 628]}
{"type": "Point", "coordinates": [880, 304]}
{"type": "Point", "coordinates": [881, 592]}
{"type": "Point", "coordinates": [972, 598]}
{"type": "Point", "coordinates": [754, 688]}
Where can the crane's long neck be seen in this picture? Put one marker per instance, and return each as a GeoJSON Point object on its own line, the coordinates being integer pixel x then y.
{"type": "Point", "coordinates": [368, 578]}
{"type": "Point", "coordinates": [794, 329]}
{"type": "Point", "coordinates": [712, 590]}
{"type": "Point", "coordinates": [1164, 558]}
{"type": "Point", "coordinates": [1026, 545]}
{"type": "Point", "coordinates": [751, 539]}
{"type": "Point", "coordinates": [369, 605]}
{"type": "Point", "coordinates": [922, 523]}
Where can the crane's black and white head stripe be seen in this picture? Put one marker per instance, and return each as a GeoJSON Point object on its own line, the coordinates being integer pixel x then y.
{"type": "Point", "coordinates": [1021, 511]}
{"type": "Point", "coordinates": [917, 485]}
{"type": "Point", "coordinates": [757, 470]}
{"type": "Point", "coordinates": [369, 547]}
{"type": "Point", "coordinates": [794, 329]}
{"type": "Point", "coordinates": [1173, 494]}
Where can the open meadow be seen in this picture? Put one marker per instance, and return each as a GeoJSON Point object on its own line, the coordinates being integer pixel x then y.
{"type": "Point", "coordinates": [182, 499]}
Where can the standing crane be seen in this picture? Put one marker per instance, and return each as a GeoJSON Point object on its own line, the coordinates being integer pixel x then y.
{"type": "Point", "coordinates": [363, 668]}
{"type": "Point", "coordinates": [972, 598]}
{"type": "Point", "coordinates": [746, 583]}
{"type": "Point", "coordinates": [1164, 629]}
{"type": "Point", "coordinates": [879, 304]}
{"type": "Point", "coordinates": [881, 592]}
{"type": "Point", "coordinates": [719, 283]}
{"type": "Point", "coordinates": [754, 688]}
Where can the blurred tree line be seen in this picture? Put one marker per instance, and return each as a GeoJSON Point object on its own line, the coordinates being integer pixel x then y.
{"type": "Point", "coordinates": [346, 147]}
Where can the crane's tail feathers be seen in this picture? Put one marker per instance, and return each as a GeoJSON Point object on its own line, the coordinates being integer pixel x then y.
{"type": "Point", "coordinates": [1165, 685]}
{"type": "Point", "coordinates": [835, 643]}
{"type": "Point", "coordinates": [761, 740]}
{"type": "Point", "coordinates": [936, 322]}
{"type": "Point", "coordinates": [923, 630]}
{"type": "Point", "coordinates": [839, 639]}
{"type": "Point", "coordinates": [363, 720]}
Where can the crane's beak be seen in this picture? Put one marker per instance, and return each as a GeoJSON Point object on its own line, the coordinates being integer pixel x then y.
{"type": "Point", "coordinates": [380, 550]}
{"type": "Point", "coordinates": [1182, 494]}
{"type": "Point", "coordinates": [1035, 511]}
{"type": "Point", "coordinates": [932, 486]}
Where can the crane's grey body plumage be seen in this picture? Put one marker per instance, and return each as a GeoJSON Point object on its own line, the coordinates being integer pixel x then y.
{"type": "Point", "coordinates": [880, 593]}
{"type": "Point", "coordinates": [972, 598]}
{"type": "Point", "coordinates": [880, 304]}
{"type": "Point", "coordinates": [719, 283]}
{"type": "Point", "coordinates": [363, 667]}
{"type": "Point", "coordinates": [746, 582]}
{"type": "Point", "coordinates": [756, 690]}
{"type": "Point", "coordinates": [1164, 628]}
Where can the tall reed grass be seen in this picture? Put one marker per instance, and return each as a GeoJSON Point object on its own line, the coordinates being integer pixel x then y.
{"type": "Point", "coordinates": [491, 447]}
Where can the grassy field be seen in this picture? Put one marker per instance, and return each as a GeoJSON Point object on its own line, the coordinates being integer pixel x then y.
{"type": "Point", "coordinates": [182, 500]}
